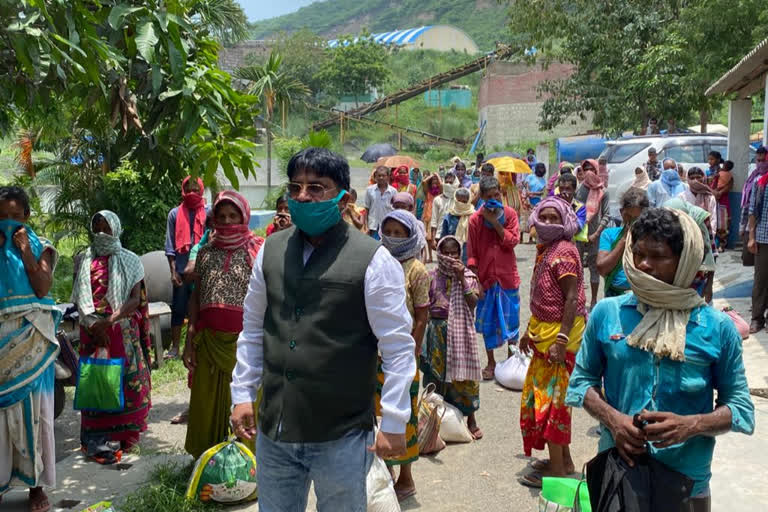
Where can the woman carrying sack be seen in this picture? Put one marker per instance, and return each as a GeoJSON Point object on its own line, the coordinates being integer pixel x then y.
{"type": "Point", "coordinates": [114, 315]}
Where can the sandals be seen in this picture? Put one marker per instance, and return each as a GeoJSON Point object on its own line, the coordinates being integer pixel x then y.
{"type": "Point", "coordinates": [488, 373]}
{"type": "Point", "coordinates": [180, 419]}
{"type": "Point", "coordinates": [533, 480]}
{"type": "Point", "coordinates": [404, 495]}
{"type": "Point", "coordinates": [477, 434]}
{"type": "Point", "coordinates": [41, 504]}
{"type": "Point", "coordinates": [171, 354]}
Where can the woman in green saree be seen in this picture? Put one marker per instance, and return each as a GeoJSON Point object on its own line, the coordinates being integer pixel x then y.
{"type": "Point", "coordinates": [223, 269]}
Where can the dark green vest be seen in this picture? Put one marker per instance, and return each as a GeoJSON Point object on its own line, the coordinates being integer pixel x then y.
{"type": "Point", "coordinates": [319, 351]}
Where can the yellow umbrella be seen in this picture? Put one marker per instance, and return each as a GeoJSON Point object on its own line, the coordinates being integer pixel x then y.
{"type": "Point", "coordinates": [509, 164]}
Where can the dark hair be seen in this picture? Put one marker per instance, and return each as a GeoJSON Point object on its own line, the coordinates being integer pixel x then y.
{"type": "Point", "coordinates": [762, 149]}
{"type": "Point", "coordinates": [659, 224]}
{"type": "Point", "coordinates": [322, 162]}
{"type": "Point", "coordinates": [209, 218]}
{"type": "Point", "coordinates": [17, 194]}
{"type": "Point", "coordinates": [460, 163]}
{"type": "Point", "coordinates": [450, 241]}
{"type": "Point", "coordinates": [695, 171]}
{"type": "Point", "coordinates": [717, 156]}
{"type": "Point", "coordinates": [383, 168]}
{"type": "Point", "coordinates": [480, 157]}
{"type": "Point", "coordinates": [634, 197]}
{"type": "Point", "coordinates": [281, 200]}
{"type": "Point", "coordinates": [223, 202]}
{"type": "Point", "coordinates": [728, 165]}
{"type": "Point", "coordinates": [352, 191]}
{"type": "Point", "coordinates": [568, 177]}
{"type": "Point", "coordinates": [488, 183]}
{"type": "Point", "coordinates": [529, 151]}
{"type": "Point", "coordinates": [462, 192]}
{"type": "Point", "coordinates": [540, 166]}
{"type": "Point", "coordinates": [488, 167]}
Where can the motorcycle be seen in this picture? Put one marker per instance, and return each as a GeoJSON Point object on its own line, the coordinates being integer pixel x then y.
{"type": "Point", "coordinates": [66, 363]}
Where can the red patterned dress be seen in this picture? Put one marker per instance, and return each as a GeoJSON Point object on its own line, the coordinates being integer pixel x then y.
{"type": "Point", "coordinates": [544, 417]}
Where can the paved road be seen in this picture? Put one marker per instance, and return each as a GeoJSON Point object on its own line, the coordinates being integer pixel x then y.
{"type": "Point", "coordinates": [481, 476]}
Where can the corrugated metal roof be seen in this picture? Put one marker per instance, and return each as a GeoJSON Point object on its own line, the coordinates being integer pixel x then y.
{"type": "Point", "coordinates": [398, 37]}
{"type": "Point", "coordinates": [744, 76]}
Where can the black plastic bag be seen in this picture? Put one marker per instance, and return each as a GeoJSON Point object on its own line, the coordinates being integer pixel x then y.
{"type": "Point", "coordinates": [649, 486]}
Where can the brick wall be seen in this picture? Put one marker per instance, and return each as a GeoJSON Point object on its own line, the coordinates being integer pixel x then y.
{"type": "Point", "coordinates": [508, 100]}
{"type": "Point", "coordinates": [234, 56]}
{"type": "Point", "coordinates": [516, 122]}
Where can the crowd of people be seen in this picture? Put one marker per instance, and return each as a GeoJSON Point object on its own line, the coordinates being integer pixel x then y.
{"type": "Point", "coordinates": [303, 341]}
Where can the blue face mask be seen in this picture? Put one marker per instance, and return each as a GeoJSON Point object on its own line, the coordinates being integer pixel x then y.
{"type": "Point", "coordinates": [8, 227]}
{"type": "Point", "coordinates": [315, 218]}
{"type": "Point", "coordinates": [494, 204]}
{"type": "Point", "coordinates": [475, 179]}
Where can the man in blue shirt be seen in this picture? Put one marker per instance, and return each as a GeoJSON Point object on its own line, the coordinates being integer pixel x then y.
{"type": "Point", "coordinates": [613, 241]}
{"type": "Point", "coordinates": [661, 352]}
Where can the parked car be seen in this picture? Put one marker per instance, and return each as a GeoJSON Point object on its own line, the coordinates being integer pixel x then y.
{"type": "Point", "coordinates": [628, 153]}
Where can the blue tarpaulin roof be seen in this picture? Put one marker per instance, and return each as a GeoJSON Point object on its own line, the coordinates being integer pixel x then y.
{"type": "Point", "coordinates": [398, 37]}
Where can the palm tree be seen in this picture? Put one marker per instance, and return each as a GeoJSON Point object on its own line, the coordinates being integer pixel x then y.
{"type": "Point", "coordinates": [275, 88]}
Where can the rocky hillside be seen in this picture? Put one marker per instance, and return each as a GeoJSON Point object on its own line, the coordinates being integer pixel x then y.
{"type": "Point", "coordinates": [485, 20]}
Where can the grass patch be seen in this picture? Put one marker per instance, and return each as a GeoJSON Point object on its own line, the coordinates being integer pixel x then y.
{"type": "Point", "coordinates": [171, 371]}
{"type": "Point", "coordinates": [165, 493]}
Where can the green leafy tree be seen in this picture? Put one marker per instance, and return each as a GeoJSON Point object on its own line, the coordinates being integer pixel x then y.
{"type": "Point", "coordinates": [355, 67]}
{"type": "Point", "coordinates": [635, 59]}
{"type": "Point", "coordinates": [303, 55]}
{"type": "Point", "coordinates": [141, 74]}
{"type": "Point", "coordinates": [276, 89]}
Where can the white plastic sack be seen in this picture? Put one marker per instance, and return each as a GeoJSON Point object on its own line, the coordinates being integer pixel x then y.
{"type": "Point", "coordinates": [453, 429]}
{"type": "Point", "coordinates": [380, 489]}
{"type": "Point", "coordinates": [511, 373]}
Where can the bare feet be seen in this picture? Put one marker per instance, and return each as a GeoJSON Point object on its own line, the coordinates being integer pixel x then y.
{"type": "Point", "coordinates": [181, 418]}
{"type": "Point", "coordinates": [38, 500]}
{"type": "Point", "coordinates": [488, 372]}
{"type": "Point", "coordinates": [404, 492]}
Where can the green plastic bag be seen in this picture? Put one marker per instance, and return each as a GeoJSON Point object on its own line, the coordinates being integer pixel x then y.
{"type": "Point", "coordinates": [100, 383]}
{"type": "Point", "coordinates": [225, 473]}
{"type": "Point", "coordinates": [559, 495]}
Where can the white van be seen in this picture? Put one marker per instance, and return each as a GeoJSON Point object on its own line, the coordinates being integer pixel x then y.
{"type": "Point", "coordinates": [626, 154]}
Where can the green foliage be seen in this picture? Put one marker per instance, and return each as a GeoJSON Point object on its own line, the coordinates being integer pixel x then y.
{"type": "Point", "coordinates": [483, 20]}
{"type": "Point", "coordinates": [142, 76]}
{"type": "Point", "coordinates": [165, 492]}
{"type": "Point", "coordinates": [273, 84]}
{"type": "Point", "coordinates": [303, 56]}
{"type": "Point", "coordinates": [355, 68]}
{"type": "Point", "coordinates": [142, 206]}
{"type": "Point", "coordinates": [641, 59]}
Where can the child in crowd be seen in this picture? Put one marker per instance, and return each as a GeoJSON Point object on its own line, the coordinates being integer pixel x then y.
{"type": "Point", "coordinates": [354, 214]}
{"type": "Point", "coordinates": [456, 221]}
{"type": "Point", "coordinates": [282, 219]}
{"type": "Point", "coordinates": [442, 205]}
{"type": "Point", "coordinates": [378, 199]}
{"type": "Point", "coordinates": [450, 358]}
{"type": "Point", "coordinates": [403, 239]}
{"type": "Point", "coordinates": [494, 232]}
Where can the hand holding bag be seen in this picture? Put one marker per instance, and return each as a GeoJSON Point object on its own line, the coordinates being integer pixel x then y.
{"type": "Point", "coordinates": [100, 383]}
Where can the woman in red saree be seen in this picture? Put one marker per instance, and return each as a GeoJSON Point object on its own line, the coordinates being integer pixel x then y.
{"type": "Point", "coordinates": [112, 303]}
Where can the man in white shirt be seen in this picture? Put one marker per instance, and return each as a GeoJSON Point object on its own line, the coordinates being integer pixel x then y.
{"type": "Point", "coordinates": [323, 300]}
{"type": "Point", "coordinates": [378, 199]}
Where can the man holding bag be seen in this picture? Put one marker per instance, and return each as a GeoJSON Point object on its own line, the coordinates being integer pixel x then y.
{"type": "Point", "coordinates": [323, 299]}
{"type": "Point", "coordinates": [659, 353]}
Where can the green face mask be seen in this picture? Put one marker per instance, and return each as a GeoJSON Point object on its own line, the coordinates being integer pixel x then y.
{"type": "Point", "coordinates": [316, 218]}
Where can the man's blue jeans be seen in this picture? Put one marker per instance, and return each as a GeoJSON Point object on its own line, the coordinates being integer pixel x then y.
{"type": "Point", "coordinates": [337, 468]}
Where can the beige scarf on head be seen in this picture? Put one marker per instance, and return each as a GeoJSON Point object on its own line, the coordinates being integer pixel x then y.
{"type": "Point", "coordinates": [666, 308]}
{"type": "Point", "coordinates": [464, 211]}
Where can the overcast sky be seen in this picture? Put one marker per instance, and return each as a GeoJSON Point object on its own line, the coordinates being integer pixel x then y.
{"type": "Point", "coordinates": [263, 9]}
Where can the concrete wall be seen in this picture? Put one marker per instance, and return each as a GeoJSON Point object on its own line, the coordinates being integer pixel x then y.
{"type": "Point", "coordinates": [509, 101]}
{"type": "Point", "coordinates": [445, 38]}
{"type": "Point", "coordinates": [233, 57]}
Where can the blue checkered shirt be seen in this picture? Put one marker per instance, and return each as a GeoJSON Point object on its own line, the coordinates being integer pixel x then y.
{"type": "Point", "coordinates": [761, 229]}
